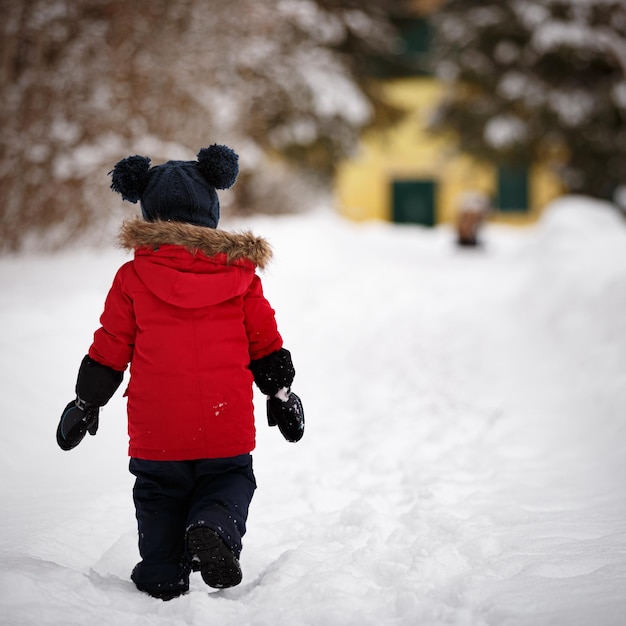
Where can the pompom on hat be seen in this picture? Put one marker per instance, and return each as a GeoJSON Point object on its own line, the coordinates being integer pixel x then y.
{"type": "Point", "coordinates": [178, 191]}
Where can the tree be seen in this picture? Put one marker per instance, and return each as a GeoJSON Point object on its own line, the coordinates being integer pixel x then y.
{"type": "Point", "coordinates": [86, 82]}
{"type": "Point", "coordinates": [530, 79]}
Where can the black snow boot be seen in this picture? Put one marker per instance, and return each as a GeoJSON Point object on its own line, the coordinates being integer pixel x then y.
{"type": "Point", "coordinates": [218, 565]}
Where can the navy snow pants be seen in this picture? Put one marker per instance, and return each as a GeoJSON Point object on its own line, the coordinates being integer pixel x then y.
{"type": "Point", "coordinates": [172, 497]}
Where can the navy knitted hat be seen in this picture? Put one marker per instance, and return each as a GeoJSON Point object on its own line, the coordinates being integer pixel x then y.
{"type": "Point", "coordinates": [178, 191]}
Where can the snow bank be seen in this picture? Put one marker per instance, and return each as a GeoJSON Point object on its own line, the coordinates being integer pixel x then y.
{"type": "Point", "coordinates": [463, 458]}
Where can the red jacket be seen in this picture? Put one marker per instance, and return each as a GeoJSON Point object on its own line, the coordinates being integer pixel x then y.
{"type": "Point", "coordinates": [188, 314]}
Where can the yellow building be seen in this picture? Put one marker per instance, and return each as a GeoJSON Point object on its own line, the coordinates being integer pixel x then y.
{"type": "Point", "coordinates": [407, 175]}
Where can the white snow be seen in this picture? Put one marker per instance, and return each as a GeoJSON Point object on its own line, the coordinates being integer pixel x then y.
{"type": "Point", "coordinates": [463, 461]}
{"type": "Point", "coordinates": [502, 131]}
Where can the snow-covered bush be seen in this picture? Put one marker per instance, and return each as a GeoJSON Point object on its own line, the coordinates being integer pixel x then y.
{"type": "Point", "coordinates": [531, 79]}
{"type": "Point", "coordinates": [86, 82]}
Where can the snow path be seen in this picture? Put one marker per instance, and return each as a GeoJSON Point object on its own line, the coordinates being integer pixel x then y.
{"type": "Point", "coordinates": [463, 460]}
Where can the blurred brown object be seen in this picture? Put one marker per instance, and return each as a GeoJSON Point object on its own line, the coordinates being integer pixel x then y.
{"type": "Point", "coordinates": [474, 208]}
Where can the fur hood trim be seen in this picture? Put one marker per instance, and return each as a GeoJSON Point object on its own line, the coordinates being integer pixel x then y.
{"type": "Point", "coordinates": [136, 233]}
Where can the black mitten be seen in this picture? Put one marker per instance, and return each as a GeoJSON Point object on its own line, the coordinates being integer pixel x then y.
{"type": "Point", "coordinates": [77, 419]}
{"type": "Point", "coordinates": [273, 372]}
{"type": "Point", "coordinates": [97, 383]}
{"type": "Point", "coordinates": [95, 386]}
{"type": "Point", "coordinates": [285, 410]}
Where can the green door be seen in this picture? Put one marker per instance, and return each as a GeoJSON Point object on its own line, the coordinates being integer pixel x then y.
{"type": "Point", "coordinates": [413, 202]}
{"type": "Point", "coordinates": [513, 189]}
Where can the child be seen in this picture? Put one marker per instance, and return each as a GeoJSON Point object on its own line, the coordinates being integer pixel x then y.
{"type": "Point", "coordinates": [189, 315]}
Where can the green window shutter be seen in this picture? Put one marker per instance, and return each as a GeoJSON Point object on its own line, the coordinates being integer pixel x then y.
{"type": "Point", "coordinates": [417, 35]}
{"type": "Point", "coordinates": [412, 55]}
{"type": "Point", "coordinates": [413, 202]}
{"type": "Point", "coordinates": [513, 189]}
{"type": "Point", "coordinates": [416, 46]}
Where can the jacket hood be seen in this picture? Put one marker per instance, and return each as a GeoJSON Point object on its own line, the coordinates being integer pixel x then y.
{"type": "Point", "coordinates": [193, 266]}
{"type": "Point", "coordinates": [137, 233]}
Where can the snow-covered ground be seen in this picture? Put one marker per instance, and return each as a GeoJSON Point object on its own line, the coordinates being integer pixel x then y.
{"type": "Point", "coordinates": [464, 455]}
